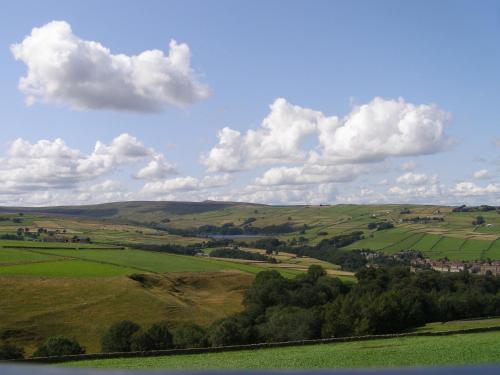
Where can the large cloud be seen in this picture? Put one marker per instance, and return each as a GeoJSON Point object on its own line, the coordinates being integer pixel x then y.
{"type": "Point", "coordinates": [84, 74]}
{"type": "Point", "coordinates": [54, 165]}
{"type": "Point", "coordinates": [369, 133]}
{"type": "Point", "coordinates": [384, 128]}
{"type": "Point", "coordinates": [277, 140]}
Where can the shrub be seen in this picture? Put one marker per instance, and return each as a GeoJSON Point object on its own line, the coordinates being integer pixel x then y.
{"type": "Point", "coordinates": [190, 336]}
{"type": "Point", "coordinates": [11, 352]}
{"type": "Point", "coordinates": [58, 346]}
{"type": "Point", "coordinates": [119, 337]}
{"type": "Point", "coordinates": [158, 337]}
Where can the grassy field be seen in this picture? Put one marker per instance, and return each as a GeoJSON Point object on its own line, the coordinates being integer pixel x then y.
{"type": "Point", "coordinates": [478, 348]}
{"type": "Point", "coordinates": [107, 263]}
{"type": "Point", "coordinates": [16, 256]}
{"type": "Point", "coordinates": [65, 268]}
{"type": "Point", "coordinates": [79, 293]}
{"type": "Point", "coordinates": [34, 308]}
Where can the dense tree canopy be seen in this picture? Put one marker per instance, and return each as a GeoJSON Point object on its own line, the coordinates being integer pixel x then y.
{"type": "Point", "coordinates": [384, 300]}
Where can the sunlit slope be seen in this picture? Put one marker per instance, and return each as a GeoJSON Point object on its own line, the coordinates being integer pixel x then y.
{"type": "Point", "coordinates": [34, 308]}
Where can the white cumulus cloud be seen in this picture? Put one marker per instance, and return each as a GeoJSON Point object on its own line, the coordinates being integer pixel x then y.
{"type": "Point", "coordinates": [371, 132]}
{"type": "Point", "coordinates": [384, 128]}
{"type": "Point", "coordinates": [277, 140]}
{"type": "Point", "coordinates": [49, 164]}
{"type": "Point", "coordinates": [83, 74]}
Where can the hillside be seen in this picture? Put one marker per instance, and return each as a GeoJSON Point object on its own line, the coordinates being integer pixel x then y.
{"type": "Point", "coordinates": [34, 308]}
{"type": "Point", "coordinates": [437, 231]}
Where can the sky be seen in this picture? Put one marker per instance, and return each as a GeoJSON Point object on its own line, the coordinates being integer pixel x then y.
{"type": "Point", "coordinates": [279, 102]}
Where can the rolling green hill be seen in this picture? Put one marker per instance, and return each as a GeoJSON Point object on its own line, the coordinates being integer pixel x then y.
{"type": "Point", "coordinates": [453, 235]}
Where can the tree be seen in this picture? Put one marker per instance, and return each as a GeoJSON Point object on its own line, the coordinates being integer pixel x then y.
{"type": "Point", "coordinates": [58, 346]}
{"type": "Point", "coordinates": [315, 271]}
{"type": "Point", "coordinates": [157, 337]}
{"type": "Point", "coordinates": [268, 289]}
{"type": "Point", "coordinates": [479, 221]}
{"type": "Point", "coordinates": [190, 336]}
{"type": "Point", "coordinates": [11, 352]}
{"type": "Point", "coordinates": [119, 337]}
{"type": "Point", "coordinates": [289, 324]}
{"type": "Point", "coordinates": [235, 330]}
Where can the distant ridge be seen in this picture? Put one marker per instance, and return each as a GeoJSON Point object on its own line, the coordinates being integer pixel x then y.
{"type": "Point", "coordinates": [137, 211]}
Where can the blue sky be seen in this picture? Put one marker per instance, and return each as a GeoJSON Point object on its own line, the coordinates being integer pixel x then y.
{"type": "Point", "coordinates": [434, 67]}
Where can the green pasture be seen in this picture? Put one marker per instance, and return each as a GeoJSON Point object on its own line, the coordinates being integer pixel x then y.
{"type": "Point", "coordinates": [16, 256]}
{"type": "Point", "coordinates": [79, 263]}
{"type": "Point", "coordinates": [65, 268]}
{"type": "Point", "coordinates": [478, 348]}
{"type": "Point", "coordinates": [493, 252]}
{"type": "Point", "coordinates": [379, 240]}
{"type": "Point", "coordinates": [427, 242]}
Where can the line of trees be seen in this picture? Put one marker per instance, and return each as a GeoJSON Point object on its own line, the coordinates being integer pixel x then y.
{"type": "Point", "coordinates": [482, 208]}
{"type": "Point", "coordinates": [235, 253]}
{"type": "Point", "coordinates": [55, 346]}
{"type": "Point", "coordinates": [382, 225]}
{"type": "Point", "coordinates": [229, 229]}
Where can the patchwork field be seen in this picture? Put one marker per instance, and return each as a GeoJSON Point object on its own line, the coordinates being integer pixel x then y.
{"type": "Point", "coordinates": [149, 222]}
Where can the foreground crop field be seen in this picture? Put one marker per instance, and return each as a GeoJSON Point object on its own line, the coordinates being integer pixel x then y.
{"type": "Point", "coordinates": [478, 348]}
